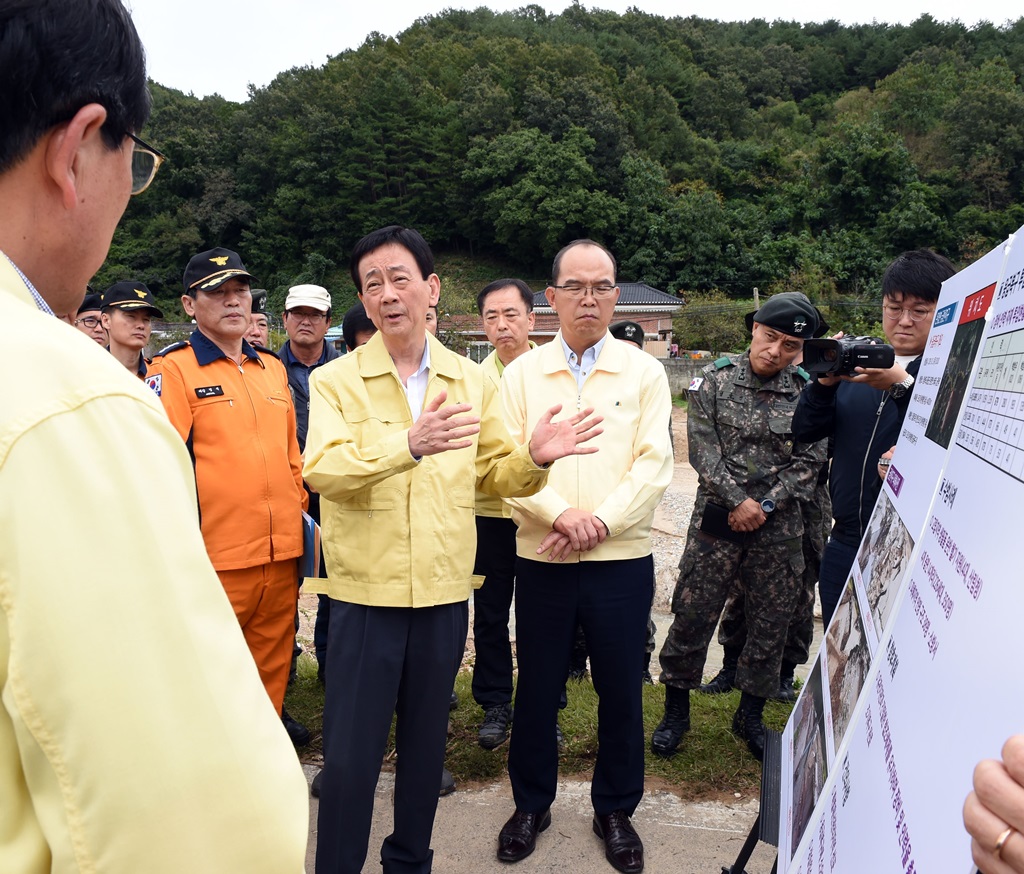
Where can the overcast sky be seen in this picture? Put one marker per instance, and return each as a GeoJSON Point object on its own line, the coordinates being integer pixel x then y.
{"type": "Point", "coordinates": [221, 46]}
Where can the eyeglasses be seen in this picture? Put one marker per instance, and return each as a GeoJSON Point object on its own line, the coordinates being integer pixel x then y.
{"type": "Point", "coordinates": [576, 291]}
{"type": "Point", "coordinates": [145, 162]}
{"type": "Point", "coordinates": [91, 322]}
{"type": "Point", "coordinates": [302, 317]}
{"type": "Point", "coordinates": [918, 314]}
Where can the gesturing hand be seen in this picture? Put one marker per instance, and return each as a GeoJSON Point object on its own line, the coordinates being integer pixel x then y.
{"type": "Point", "coordinates": [551, 441]}
{"type": "Point", "coordinates": [439, 429]}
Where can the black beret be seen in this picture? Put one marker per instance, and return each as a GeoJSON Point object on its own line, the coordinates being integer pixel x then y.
{"type": "Point", "coordinates": [630, 331]}
{"type": "Point", "coordinates": [789, 312]}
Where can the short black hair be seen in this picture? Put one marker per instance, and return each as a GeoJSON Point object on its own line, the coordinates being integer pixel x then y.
{"type": "Point", "coordinates": [524, 292]}
{"type": "Point", "coordinates": [917, 273]}
{"type": "Point", "coordinates": [355, 322]}
{"type": "Point", "coordinates": [57, 56]}
{"type": "Point", "coordinates": [407, 238]}
{"type": "Point", "coordinates": [557, 263]}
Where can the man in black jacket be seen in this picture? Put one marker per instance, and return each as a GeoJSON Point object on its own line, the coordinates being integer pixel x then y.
{"type": "Point", "coordinates": [863, 413]}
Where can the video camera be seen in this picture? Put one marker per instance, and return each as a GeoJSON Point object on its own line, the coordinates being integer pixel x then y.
{"type": "Point", "coordinates": [840, 357]}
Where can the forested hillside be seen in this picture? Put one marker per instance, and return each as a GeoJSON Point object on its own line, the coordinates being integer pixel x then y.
{"type": "Point", "coordinates": [706, 155]}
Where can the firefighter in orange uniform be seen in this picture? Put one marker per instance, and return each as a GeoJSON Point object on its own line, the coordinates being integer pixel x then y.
{"type": "Point", "coordinates": [232, 407]}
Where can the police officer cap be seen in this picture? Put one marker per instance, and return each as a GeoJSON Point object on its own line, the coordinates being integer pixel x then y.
{"type": "Point", "coordinates": [789, 312]}
{"type": "Point", "coordinates": [131, 296]}
{"type": "Point", "coordinates": [630, 331]}
{"type": "Point", "coordinates": [259, 300]}
{"type": "Point", "coordinates": [209, 270]}
{"type": "Point", "coordinates": [92, 302]}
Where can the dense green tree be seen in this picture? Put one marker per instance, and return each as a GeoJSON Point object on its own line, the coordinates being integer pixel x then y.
{"type": "Point", "coordinates": [709, 155]}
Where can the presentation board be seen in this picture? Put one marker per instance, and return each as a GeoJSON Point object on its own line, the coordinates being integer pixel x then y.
{"type": "Point", "coordinates": [914, 683]}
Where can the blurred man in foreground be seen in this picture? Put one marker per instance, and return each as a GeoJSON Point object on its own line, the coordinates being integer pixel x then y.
{"type": "Point", "coordinates": [135, 756]}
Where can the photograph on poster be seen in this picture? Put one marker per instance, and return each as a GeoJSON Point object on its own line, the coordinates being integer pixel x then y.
{"type": "Point", "coordinates": [847, 659]}
{"type": "Point", "coordinates": [883, 559]}
{"type": "Point", "coordinates": [953, 387]}
{"type": "Point", "coordinates": [810, 764]}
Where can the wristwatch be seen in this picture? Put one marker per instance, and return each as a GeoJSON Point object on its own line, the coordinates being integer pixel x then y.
{"type": "Point", "coordinates": [898, 389]}
{"type": "Point", "coordinates": [767, 506]}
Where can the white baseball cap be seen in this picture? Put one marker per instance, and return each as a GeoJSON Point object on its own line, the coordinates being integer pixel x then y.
{"type": "Point", "coordinates": [313, 296]}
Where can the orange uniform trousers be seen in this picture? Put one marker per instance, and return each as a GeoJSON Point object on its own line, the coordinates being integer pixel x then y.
{"type": "Point", "coordinates": [264, 600]}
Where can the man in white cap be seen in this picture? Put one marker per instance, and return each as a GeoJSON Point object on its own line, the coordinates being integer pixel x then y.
{"type": "Point", "coordinates": [306, 317]}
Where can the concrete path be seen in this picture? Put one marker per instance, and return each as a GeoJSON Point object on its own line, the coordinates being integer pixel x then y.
{"type": "Point", "coordinates": [679, 837]}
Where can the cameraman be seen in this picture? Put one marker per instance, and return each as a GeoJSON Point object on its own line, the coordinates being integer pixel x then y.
{"type": "Point", "coordinates": [862, 414]}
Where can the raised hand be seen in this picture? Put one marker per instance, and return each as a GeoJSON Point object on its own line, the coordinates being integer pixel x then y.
{"type": "Point", "coordinates": [551, 441]}
{"type": "Point", "coordinates": [439, 429]}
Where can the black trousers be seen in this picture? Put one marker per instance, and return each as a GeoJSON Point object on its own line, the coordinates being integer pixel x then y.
{"type": "Point", "coordinates": [384, 661]}
{"type": "Point", "coordinates": [610, 600]}
{"type": "Point", "coordinates": [496, 561]}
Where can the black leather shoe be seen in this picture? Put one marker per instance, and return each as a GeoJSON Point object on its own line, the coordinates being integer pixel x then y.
{"type": "Point", "coordinates": [447, 783]}
{"type": "Point", "coordinates": [296, 730]}
{"type": "Point", "coordinates": [622, 845]}
{"type": "Point", "coordinates": [518, 837]}
{"type": "Point", "coordinates": [314, 788]}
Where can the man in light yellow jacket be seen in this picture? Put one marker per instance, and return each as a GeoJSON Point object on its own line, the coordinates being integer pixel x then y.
{"type": "Point", "coordinates": [135, 735]}
{"type": "Point", "coordinates": [584, 553]}
{"type": "Point", "coordinates": [401, 432]}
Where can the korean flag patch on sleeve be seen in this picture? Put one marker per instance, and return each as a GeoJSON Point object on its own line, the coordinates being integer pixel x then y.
{"type": "Point", "coordinates": [155, 382]}
{"type": "Point", "coordinates": [696, 383]}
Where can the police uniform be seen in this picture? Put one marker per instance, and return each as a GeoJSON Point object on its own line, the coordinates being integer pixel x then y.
{"type": "Point", "coordinates": [131, 296]}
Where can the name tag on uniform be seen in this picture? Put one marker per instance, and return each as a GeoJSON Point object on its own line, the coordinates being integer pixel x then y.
{"type": "Point", "coordinates": [209, 391]}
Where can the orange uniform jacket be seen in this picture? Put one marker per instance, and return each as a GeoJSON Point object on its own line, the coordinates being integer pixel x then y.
{"type": "Point", "coordinates": [239, 426]}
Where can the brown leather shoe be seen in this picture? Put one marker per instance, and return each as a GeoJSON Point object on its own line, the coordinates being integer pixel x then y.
{"type": "Point", "coordinates": [622, 845]}
{"type": "Point", "coordinates": [518, 837]}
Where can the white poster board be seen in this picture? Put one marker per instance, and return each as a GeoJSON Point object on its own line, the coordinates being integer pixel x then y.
{"type": "Point", "coordinates": [905, 696]}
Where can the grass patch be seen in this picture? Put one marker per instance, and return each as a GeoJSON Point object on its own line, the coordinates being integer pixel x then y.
{"type": "Point", "coordinates": [711, 761]}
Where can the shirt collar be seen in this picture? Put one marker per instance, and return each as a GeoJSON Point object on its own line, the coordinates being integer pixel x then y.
{"type": "Point", "coordinates": [497, 361]}
{"type": "Point", "coordinates": [589, 355]}
{"type": "Point", "coordinates": [206, 351]}
{"type": "Point", "coordinates": [289, 358]}
{"type": "Point", "coordinates": [36, 296]}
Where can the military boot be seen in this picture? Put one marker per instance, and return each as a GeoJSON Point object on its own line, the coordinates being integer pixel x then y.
{"type": "Point", "coordinates": [725, 678]}
{"type": "Point", "coordinates": [746, 724]}
{"type": "Point", "coordinates": [787, 684]}
{"type": "Point", "coordinates": [676, 722]}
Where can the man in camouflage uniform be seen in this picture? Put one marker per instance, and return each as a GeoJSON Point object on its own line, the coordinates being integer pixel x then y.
{"type": "Point", "coordinates": [732, 630]}
{"type": "Point", "coordinates": [753, 478]}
